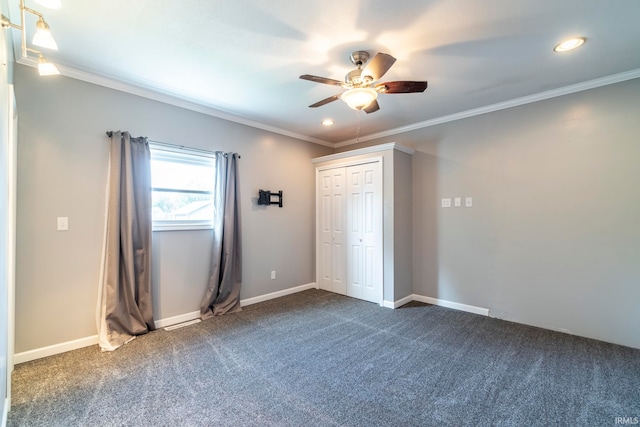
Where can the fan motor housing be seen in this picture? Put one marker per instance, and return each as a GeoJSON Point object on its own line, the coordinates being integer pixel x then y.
{"type": "Point", "coordinates": [354, 77]}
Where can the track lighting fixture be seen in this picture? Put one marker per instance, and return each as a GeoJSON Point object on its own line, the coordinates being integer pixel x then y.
{"type": "Point", "coordinates": [42, 37]}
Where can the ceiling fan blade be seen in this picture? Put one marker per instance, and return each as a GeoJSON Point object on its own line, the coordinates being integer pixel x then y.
{"type": "Point", "coordinates": [401, 87]}
{"type": "Point", "coordinates": [325, 101]}
{"type": "Point", "coordinates": [378, 66]}
{"type": "Point", "coordinates": [321, 80]}
{"type": "Point", "coordinates": [372, 108]}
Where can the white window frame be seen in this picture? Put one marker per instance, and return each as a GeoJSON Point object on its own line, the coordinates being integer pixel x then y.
{"type": "Point", "coordinates": [185, 156]}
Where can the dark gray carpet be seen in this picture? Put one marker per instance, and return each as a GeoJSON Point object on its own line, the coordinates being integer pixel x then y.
{"type": "Point", "coordinates": [320, 359]}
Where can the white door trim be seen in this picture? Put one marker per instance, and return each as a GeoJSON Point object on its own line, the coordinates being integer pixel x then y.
{"type": "Point", "coordinates": [344, 164]}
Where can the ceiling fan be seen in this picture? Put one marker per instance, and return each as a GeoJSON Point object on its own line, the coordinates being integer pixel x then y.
{"type": "Point", "coordinates": [362, 90]}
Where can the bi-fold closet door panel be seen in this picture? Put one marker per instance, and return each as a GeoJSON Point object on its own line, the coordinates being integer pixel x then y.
{"type": "Point", "coordinates": [349, 250]}
{"type": "Point", "coordinates": [331, 259]}
{"type": "Point", "coordinates": [364, 231]}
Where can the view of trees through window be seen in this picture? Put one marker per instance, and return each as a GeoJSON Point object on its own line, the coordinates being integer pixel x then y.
{"type": "Point", "coordinates": [182, 186]}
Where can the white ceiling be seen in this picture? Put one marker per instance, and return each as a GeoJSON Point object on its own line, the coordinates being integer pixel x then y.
{"type": "Point", "coordinates": [241, 59]}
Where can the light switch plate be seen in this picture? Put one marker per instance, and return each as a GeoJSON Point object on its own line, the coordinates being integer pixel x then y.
{"type": "Point", "coordinates": [457, 202]}
{"type": "Point", "coordinates": [446, 203]}
{"type": "Point", "coordinates": [468, 202]}
{"type": "Point", "coordinates": [63, 223]}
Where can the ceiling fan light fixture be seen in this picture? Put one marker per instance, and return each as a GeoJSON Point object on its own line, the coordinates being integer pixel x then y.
{"type": "Point", "coordinates": [569, 44]}
{"type": "Point", "coordinates": [43, 37]}
{"type": "Point", "coordinates": [359, 98]}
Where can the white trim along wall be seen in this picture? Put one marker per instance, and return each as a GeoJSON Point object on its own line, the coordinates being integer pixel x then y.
{"type": "Point", "coordinates": [51, 350]}
{"type": "Point", "coordinates": [439, 302]}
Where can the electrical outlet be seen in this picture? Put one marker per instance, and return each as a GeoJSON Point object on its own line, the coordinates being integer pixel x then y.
{"type": "Point", "coordinates": [468, 202]}
{"type": "Point", "coordinates": [273, 275]}
{"type": "Point", "coordinates": [446, 203]}
{"type": "Point", "coordinates": [63, 223]}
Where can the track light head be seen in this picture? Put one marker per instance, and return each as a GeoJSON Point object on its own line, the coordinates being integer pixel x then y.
{"type": "Point", "coordinates": [46, 68]}
{"type": "Point", "coordinates": [43, 37]}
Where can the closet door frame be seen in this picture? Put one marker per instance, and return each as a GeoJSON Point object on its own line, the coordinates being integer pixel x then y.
{"type": "Point", "coordinates": [345, 164]}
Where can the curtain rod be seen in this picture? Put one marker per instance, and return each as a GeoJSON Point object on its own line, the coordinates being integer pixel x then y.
{"type": "Point", "coordinates": [180, 147]}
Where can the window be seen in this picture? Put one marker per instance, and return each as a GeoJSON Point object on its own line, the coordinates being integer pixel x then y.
{"type": "Point", "coordinates": [182, 189]}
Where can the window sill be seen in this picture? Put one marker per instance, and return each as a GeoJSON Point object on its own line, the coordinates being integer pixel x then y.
{"type": "Point", "coordinates": [181, 227]}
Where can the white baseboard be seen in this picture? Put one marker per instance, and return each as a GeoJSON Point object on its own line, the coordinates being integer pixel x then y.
{"type": "Point", "coordinates": [399, 303]}
{"type": "Point", "coordinates": [278, 294]}
{"type": "Point", "coordinates": [450, 304]}
{"type": "Point", "coordinates": [39, 353]}
{"type": "Point", "coordinates": [170, 321]}
{"type": "Point", "coordinates": [51, 350]}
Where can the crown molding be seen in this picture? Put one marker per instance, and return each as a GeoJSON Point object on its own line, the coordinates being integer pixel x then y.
{"type": "Point", "coordinates": [541, 96]}
{"type": "Point", "coordinates": [163, 95]}
{"type": "Point", "coordinates": [160, 94]}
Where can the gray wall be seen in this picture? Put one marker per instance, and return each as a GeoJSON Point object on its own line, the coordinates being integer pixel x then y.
{"type": "Point", "coordinates": [553, 238]}
{"type": "Point", "coordinates": [402, 214]}
{"type": "Point", "coordinates": [62, 167]}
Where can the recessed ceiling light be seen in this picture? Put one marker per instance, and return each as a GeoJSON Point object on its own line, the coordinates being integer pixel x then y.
{"type": "Point", "coordinates": [327, 122]}
{"type": "Point", "coordinates": [569, 44]}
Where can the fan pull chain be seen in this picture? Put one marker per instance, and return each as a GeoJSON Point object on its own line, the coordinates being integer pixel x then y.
{"type": "Point", "coordinates": [358, 112]}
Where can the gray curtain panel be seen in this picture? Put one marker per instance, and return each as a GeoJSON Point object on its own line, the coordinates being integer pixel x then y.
{"type": "Point", "coordinates": [127, 307]}
{"type": "Point", "coordinates": [223, 291]}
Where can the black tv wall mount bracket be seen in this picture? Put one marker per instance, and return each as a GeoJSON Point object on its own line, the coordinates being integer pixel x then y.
{"type": "Point", "coordinates": [265, 197]}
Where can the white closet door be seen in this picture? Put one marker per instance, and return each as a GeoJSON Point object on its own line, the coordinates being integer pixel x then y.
{"type": "Point", "coordinates": [323, 255]}
{"type": "Point", "coordinates": [364, 230]}
{"type": "Point", "coordinates": [331, 256]}
{"type": "Point", "coordinates": [354, 231]}
{"type": "Point", "coordinates": [338, 238]}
